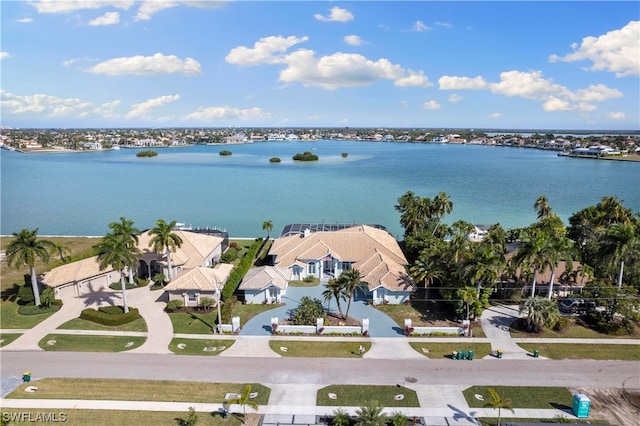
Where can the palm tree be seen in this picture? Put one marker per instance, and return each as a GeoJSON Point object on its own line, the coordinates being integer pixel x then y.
{"type": "Point", "coordinates": [614, 211]}
{"type": "Point", "coordinates": [426, 269]}
{"type": "Point", "coordinates": [26, 249]}
{"type": "Point", "coordinates": [498, 402]}
{"type": "Point", "coordinates": [340, 417]}
{"type": "Point", "coordinates": [125, 227]}
{"type": "Point", "coordinates": [243, 399]}
{"type": "Point", "coordinates": [542, 207]}
{"type": "Point", "coordinates": [350, 283]}
{"type": "Point", "coordinates": [534, 252]}
{"type": "Point", "coordinates": [334, 291]}
{"type": "Point", "coordinates": [371, 415]}
{"type": "Point", "coordinates": [540, 312]}
{"type": "Point", "coordinates": [164, 239]}
{"type": "Point", "coordinates": [468, 296]}
{"type": "Point", "coordinates": [441, 206]}
{"type": "Point", "coordinates": [485, 266]}
{"type": "Point", "coordinates": [620, 241]}
{"type": "Point", "coordinates": [116, 250]}
{"type": "Point", "coordinates": [562, 250]}
{"type": "Point", "coordinates": [267, 225]}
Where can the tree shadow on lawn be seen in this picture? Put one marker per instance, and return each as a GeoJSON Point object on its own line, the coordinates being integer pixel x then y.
{"type": "Point", "coordinates": [193, 316]}
{"type": "Point", "coordinates": [10, 294]}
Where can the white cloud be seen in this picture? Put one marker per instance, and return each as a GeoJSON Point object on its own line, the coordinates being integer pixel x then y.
{"type": "Point", "coordinates": [597, 93]}
{"type": "Point", "coordinates": [444, 24]}
{"type": "Point", "coordinates": [52, 106]}
{"type": "Point", "coordinates": [142, 109]}
{"type": "Point", "coordinates": [264, 51]}
{"type": "Point", "coordinates": [227, 113]}
{"type": "Point", "coordinates": [413, 79]}
{"type": "Point", "coordinates": [66, 6]}
{"type": "Point", "coordinates": [617, 51]}
{"type": "Point", "coordinates": [447, 82]}
{"type": "Point", "coordinates": [25, 20]}
{"type": "Point", "coordinates": [109, 18]}
{"type": "Point", "coordinates": [4, 55]}
{"type": "Point", "coordinates": [353, 40]}
{"type": "Point", "coordinates": [431, 105]}
{"type": "Point", "coordinates": [616, 115]}
{"type": "Point", "coordinates": [148, 8]}
{"type": "Point", "coordinates": [147, 65]}
{"type": "Point", "coordinates": [454, 97]}
{"type": "Point", "coordinates": [495, 115]}
{"type": "Point", "coordinates": [336, 14]}
{"type": "Point", "coordinates": [420, 26]}
{"type": "Point", "coordinates": [528, 85]}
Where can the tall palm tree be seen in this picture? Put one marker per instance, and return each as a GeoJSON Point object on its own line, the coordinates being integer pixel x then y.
{"type": "Point", "coordinates": [485, 266]}
{"type": "Point", "coordinates": [441, 206]}
{"type": "Point", "coordinates": [243, 399]}
{"type": "Point", "coordinates": [540, 312]}
{"type": "Point", "coordinates": [542, 207]}
{"type": "Point", "coordinates": [614, 211]}
{"type": "Point", "coordinates": [468, 296]}
{"type": "Point", "coordinates": [164, 239]}
{"type": "Point", "coordinates": [371, 415]}
{"type": "Point", "coordinates": [562, 250]}
{"type": "Point", "coordinates": [498, 402]}
{"type": "Point", "coordinates": [26, 249]}
{"type": "Point", "coordinates": [267, 225]}
{"type": "Point", "coordinates": [426, 269]}
{"type": "Point", "coordinates": [125, 228]}
{"type": "Point", "coordinates": [534, 252]}
{"type": "Point", "coordinates": [350, 281]}
{"type": "Point", "coordinates": [334, 291]}
{"type": "Point", "coordinates": [116, 250]}
{"type": "Point", "coordinates": [620, 241]}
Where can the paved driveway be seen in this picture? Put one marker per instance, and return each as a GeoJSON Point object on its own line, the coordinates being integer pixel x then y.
{"type": "Point", "coordinates": [380, 324]}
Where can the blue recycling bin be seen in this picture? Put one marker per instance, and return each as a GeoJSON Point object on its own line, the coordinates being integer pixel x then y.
{"type": "Point", "coordinates": [581, 405]}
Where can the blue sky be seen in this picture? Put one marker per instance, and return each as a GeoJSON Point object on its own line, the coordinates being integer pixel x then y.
{"type": "Point", "coordinates": [533, 65]}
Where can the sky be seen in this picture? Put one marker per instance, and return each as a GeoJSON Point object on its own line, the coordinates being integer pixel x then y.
{"type": "Point", "coordinates": [286, 64]}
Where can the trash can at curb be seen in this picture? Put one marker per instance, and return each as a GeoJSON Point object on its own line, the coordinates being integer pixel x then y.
{"type": "Point", "coordinates": [536, 353]}
{"type": "Point", "coordinates": [454, 355]}
{"type": "Point", "coordinates": [470, 357]}
{"type": "Point", "coordinates": [499, 353]}
{"type": "Point", "coordinates": [26, 377]}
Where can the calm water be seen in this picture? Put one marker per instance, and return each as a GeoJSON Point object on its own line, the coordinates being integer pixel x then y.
{"type": "Point", "coordinates": [80, 193]}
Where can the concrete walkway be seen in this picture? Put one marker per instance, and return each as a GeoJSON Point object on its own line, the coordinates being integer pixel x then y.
{"type": "Point", "coordinates": [495, 322]}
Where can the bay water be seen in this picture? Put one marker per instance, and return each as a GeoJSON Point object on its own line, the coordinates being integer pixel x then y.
{"type": "Point", "coordinates": [80, 193]}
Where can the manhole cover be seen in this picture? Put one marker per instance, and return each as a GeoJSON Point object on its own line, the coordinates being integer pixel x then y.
{"type": "Point", "coordinates": [410, 379]}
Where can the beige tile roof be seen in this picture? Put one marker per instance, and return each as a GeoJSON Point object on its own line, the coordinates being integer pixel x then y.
{"type": "Point", "coordinates": [195, 248]}
{"type": "Point", "coordinates": [76, 271]}
{"type": "Point", "coordinates": [545, 276]}
{"type": "Point", "coordinates": [201, 279]}
{"type": "Point", "coordinates": [266, 276]}
{"type": "Point", "coordinates": [375, 253]}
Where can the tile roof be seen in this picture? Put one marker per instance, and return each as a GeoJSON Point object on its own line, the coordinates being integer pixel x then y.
{"type": "Point", "coordinates": [201, 279]}
{"type": "Point", "coordinates": [264, 277]}
{"type": "Point", "coordinates": [76, 271]}
{"type": "Point", "coordinates": [195, 248]}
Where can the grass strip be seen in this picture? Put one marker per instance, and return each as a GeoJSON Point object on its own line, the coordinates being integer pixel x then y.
{"type": "Point", "coordinates": [318, 349]}
{"type": "Point", "coordinates": [359, 395]}
{"type": "Point", "coordinates": [492, 421]}
{"type": "Point", "coordinates": [6, 338]}
{"type": "Point", "coordinates": [523, 396]}
{"type": "Point", "coordinates": [88, 343]}
{"type": "Point", "coordinates": [248, 311]}
{"type": "Point", "coordinates": [193, 323]}
{"type": "Point", "coordinates": [11, 318]}
{"type": "Point", "coordinates": [444, 350]}
{"type": "Point", "coordinates": [115, 417]}
{"type": "Point", "coordinates": [82, 324]}
{"type": "Point", "coordinates": [197, 346]}
{"type": "Point", "coordinates": [136, 390]}
{"type": "Point", "coordinates": [585, 351]}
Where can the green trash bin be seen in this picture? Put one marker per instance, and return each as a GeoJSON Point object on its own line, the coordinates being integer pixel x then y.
{"type": "Point", "coordinates": [470, 356]}
{"type": "Point", "coordinates": [536, 353]}
{"type": "Point", "coordinates": [499, 353]}
{"type": "Point", "coordinates": [463, 354]}
{"type": "Point", "coordinates": [26, 377]}
{"type": "Point", "coordinates": [454, 355]}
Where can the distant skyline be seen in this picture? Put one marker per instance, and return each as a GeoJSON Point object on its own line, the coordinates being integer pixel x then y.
{"type": "Point", "coordinates": [453, 64]}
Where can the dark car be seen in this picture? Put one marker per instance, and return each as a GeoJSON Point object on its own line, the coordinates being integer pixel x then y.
{"type": "Point", "coordinates": [576, 306]}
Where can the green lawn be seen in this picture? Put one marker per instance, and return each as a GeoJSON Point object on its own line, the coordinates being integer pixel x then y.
{"type": "Point", "coordinates": [572, 331]}
{"type": "Point", "coordinates": [585, 351]}
{"type": "Point", "coordinates": [122, 417]}
{"type": "Point", "coordinates": [318, 349]}
{"type": "Point", "coordinates": [360, 395]}
{"type": "Point", "coordinates": [197, 346]}
{"type": "Point", "coordinates": [136, 390]}
{"type": "Point", "coordinates": [444, 350]}
{"type": "Point", "coordinates": [301, 283]}
{"type": "Point", "coordinates": [246, 312]}
{"type": "Point", "coordinates": [82, 324]}
{"type": "Point", "coordinates": [11, 318]}
{"type": "Point", "coordinates": [194, 323]}
{"type": "Point", "coordinates": [522, 396]}
{"type": "Point", "coordinates": [87, 343]}
{"type": "Point", "coordinates": [6, 338]}
{"type": "Point", "coordinates": [492, 421]}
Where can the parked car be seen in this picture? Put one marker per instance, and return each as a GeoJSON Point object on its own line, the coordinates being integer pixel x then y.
{"type": "Point", "coordinates": [576, 306]}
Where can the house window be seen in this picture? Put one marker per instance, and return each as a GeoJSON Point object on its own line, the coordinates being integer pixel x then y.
{"type": "Point", "coordinates": [346, 266]}
{"type": "Point", "coordinates": [312, 268]}
{"type": "Point", "coordinates": [193, 297]}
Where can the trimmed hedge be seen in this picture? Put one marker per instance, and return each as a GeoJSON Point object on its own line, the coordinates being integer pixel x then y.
{"type": "Point", "coordinates": [238, 273]}
{"type": "Point", "coordinates": [25, 295]}
{"type": "Point", "coordinates": [105, 317]}
{"type": "Point", "coordinates": [118, 285]}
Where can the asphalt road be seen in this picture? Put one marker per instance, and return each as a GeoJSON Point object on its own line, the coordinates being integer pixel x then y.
{"type": "Point", "coordinates": [533, 372]}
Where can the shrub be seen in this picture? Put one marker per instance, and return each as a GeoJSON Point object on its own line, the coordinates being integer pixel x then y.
{"type": "Point", "coordinates": [225, 152]}
{"type": "Point", "coordinates": [36, 310]}
{"type": "Point", "coordinates": [174, 305]}
{"type": "Point", "coordinates": [233, 245]}
{"type": "Point", "coordinates": [147, 153]}
{"type": "Point", "coordinates": [340, 418]}
{"type": "Point", "coordinates": [309, 279]}
{"type": "Point", "coordinates": [207, 302]}
{"type": "Point", "coordinates": [305, 156]}
{"type": "Point", "coordinates": [241, 269]}
{"type": "Point", "coordinates": [141, 282]}
{"type": "Point", "coordinates": [307, 311]}
{"type": "Point", "coordinates": [561, 324]}
{"type": "Point", "coordinates": [110, 319]}
{"type": "Point", "coordinates": [47, 297]}
{"type": "Point", "coordinates": [111, 310]}
{"type": "Point", "coordinates": [274, 160]}
{"type": "Point", "coordinates": [25, 295]}
{"type": "Point", "coordinates": [226, 310]}
{"type": "Point", "coordinates": [118, 286]}
{"type": "Point", "coordinates": [229, 256]}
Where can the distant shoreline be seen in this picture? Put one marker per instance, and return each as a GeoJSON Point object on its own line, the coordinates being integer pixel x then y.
{"type": "Point", "coordinates": [632, 158]}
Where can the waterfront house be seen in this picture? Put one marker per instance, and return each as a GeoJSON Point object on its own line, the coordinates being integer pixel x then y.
{"type": "Point", "coordinates": [325, 254]}
{"type": "Point", "coordinates": [198, 283]}
{"type": "Point", "coordinates": [265, 284]}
